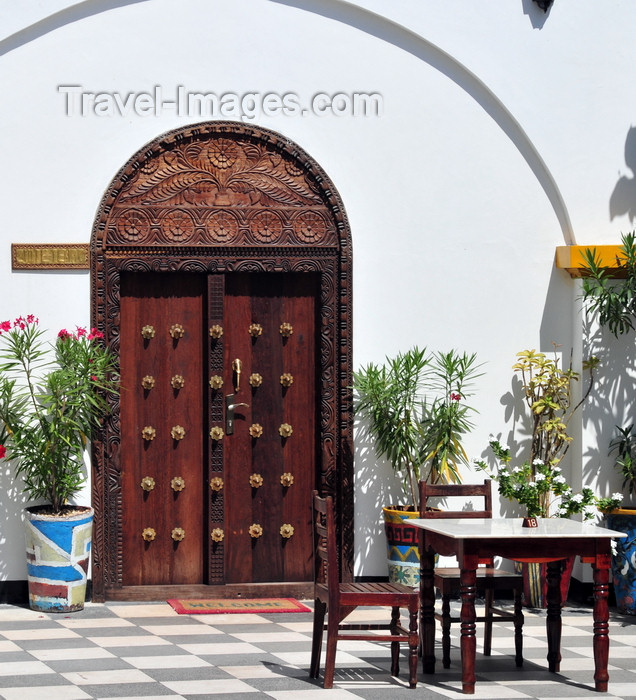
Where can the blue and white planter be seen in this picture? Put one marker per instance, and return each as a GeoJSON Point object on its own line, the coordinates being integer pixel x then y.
{"type": "Point", "coordinates": [624, 559]}
{"type": "Point", "coordinates": [58, 553]}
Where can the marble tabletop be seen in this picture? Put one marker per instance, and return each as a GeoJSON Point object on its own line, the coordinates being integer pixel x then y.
{"type": "Point", "coordinates": [497, 528]}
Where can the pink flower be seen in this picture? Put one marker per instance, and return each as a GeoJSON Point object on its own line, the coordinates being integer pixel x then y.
{"type": "Point", "coordinates": [3, 451]}
{"type": "Point", "coordinates": [81, 331]}
{"type": "Point", "coordinates": [455, 397]}
{"type": "Point", "coordinates": [95, 334]}
{"type": "Point", "coordinates": [64, 334]}
{"type": "Point", "coordinates": [20, 323]}
{"type": "Point", "coordinates": [93, 377]}
{"type": "Point", "coordinates": [32, 319]}
{"type": "Point", "coordinates": [5, 327]}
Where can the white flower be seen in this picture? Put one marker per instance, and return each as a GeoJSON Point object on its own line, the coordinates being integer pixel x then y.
{"type": "Point", "coordinates": [540, 477]}
{"type": "Point", "coordinates": [532, 484]}
{"type": "Point", "coordinates": [516, 470]}
{"type": "Point", "coordinates": [577, 498]}
{"type": "Point", "coordinates": [617, 496]}
{"type": "Point", "coordinates": [556, 470]}
{"type": "Point", "coordinates": [559, 479]}
{"type": "Point", "coordinates": [613, 547]}
{"type": "Point", "coordinates": [537, 462]}
{"type": "Point", "coordinates": [589, 510]}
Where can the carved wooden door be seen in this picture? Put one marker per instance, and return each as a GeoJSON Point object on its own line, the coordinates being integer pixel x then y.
{"type": "Point", "coordinates": [218, 426]}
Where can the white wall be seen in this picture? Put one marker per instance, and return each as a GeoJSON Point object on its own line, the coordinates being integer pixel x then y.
{"type": "Point", "coordinates": [502, 136]}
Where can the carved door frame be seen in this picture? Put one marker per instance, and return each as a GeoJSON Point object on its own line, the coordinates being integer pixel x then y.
{"type": "Point", "coordinates": [219, 197]}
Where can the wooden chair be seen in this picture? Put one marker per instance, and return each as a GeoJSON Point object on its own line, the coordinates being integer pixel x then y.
{"type": "Point", "coordinates": [338, 600]}
{"type": "Point", "coordinates": [489, 579]}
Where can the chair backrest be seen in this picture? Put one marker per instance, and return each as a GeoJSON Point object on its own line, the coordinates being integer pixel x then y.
{"type": "Point", "coordinates": [325, 550]}
{"type": "Point", "coordinates": [482, 491]}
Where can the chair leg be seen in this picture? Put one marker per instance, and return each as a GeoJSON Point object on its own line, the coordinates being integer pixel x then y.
{"type": "Point", "coordinates": [320, 609]}
{"type": "Point", "coordinates": [489, 597]}
{"type": "Point", "coordinates": [395, 646]}
{"type": "Point", "coordinates": [518, 623]}
{"type": "Point", "coordinates": [446, 625]}
{"type": "Point", "coordinates": [330, 657]}
{"type": "Point", "coordinates": [414, 639]}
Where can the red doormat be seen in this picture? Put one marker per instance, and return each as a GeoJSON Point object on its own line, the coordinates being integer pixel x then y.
{"type": "Point", "coordinates": [215, 606]}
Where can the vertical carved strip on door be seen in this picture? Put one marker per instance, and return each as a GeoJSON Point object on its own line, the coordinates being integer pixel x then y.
{"type": "Point", "coordinates": [217, 388]}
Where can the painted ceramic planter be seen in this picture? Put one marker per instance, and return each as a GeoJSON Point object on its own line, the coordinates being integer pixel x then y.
{"type": "Point", "coordinates": [535, 580]}
{"type": "Point", "coordinates": [624, 559]}
{"type": "Point", "coordinates": [403, 546]}
{"type": "Point", "coordinates": [58, 552]}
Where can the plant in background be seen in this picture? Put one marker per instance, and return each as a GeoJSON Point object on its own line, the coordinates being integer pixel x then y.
{"type": "Point", "coordinates": [624, 444]}
{"type": "Point", "coordinates": [52, 400]}
{"type": "Point", "coordinates": [613, 300]}
{"type": "Point", "coordinates": [538, 483]}
{"type": "Point", "coordinates": [417, 411]}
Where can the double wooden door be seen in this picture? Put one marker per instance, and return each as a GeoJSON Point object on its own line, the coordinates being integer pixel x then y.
{"type": "Point", "coordinates": [218, 427]}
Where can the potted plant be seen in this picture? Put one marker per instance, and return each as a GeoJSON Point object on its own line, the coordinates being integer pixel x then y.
{"type": "Point", "coordinates": [624, 520]}
{"type": "Point", "coordinates": [537, 482]}
{"type": "Point", "coordinates": [415, 404]}
{"type": "Point", "coordinates": [52, 401]}
{"type": "Point", "coordinates": [613, 301]}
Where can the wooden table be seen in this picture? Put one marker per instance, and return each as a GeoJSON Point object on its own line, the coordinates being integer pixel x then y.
{"type": "Point", "coordinates": [557, 538]}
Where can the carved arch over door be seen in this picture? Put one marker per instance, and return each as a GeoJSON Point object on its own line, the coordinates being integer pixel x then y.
{"type": "Point", "coordinates": [214, 198]}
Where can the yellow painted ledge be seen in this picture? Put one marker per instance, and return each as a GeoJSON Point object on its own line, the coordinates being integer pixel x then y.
{"type": "Point", "coordinates": [571, 258]}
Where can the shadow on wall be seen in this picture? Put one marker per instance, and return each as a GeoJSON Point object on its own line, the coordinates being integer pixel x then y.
{"type": "Point", "coordinates": [536, 15]}
{"type": "Point", "coordinates": [555, 334]}
{"type": "Point", "coordinates": [623, 199]}
{"type": "Point", "coordinates": [12, 528]}
{"type": "Point", "coordinates": [612, 403]}
{"type": "Point", "coordinates": [376, 486]}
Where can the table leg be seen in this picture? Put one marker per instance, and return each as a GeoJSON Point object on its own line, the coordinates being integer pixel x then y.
{"type": "Point", "coordinates": [427, 625]}
{"type": "Point", "coordinates": [553, 620]}
{"type": "Point", "coordinates": [601, 622]}
{"type": "Point", "coordinates": [468, 642]}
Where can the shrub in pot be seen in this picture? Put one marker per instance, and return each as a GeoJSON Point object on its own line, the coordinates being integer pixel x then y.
{"type": "Point", "coordinates": [416, 411]}
{"type": "Point", "coordinates": [52, 401]}
{"type": "Point", "coordinates": [537, 483]}
{"type": "Point", "coordinates": [623, 519]}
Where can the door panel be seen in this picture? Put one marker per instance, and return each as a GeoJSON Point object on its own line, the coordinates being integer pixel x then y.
{"type": "Point", "coordinates": [160, 301]}
{"type": "Point", "coordinates": [263, 554]}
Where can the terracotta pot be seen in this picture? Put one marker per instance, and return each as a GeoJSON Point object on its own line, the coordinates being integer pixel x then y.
{"type": "Point", "coordinates": [58, 552]}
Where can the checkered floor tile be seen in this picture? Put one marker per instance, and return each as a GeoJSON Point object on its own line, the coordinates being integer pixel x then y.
{"type": "Point", "coordinates": [125, 651]}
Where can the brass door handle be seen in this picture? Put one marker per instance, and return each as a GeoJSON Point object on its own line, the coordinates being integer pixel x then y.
{"type": "Point", "coordinates": [229, 413]}
{"type": "Point", "coordinates": [237, 366]}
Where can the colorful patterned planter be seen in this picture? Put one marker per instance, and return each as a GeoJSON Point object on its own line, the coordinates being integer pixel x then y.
{"type": "Point", "coordinates": [535, 580]}
{"type": "Point", "coordinates": [624, 559]}
{"type": "Point", "coordinates": [403, 546]}
{"type": "Point", "coordinates": [58, 552]}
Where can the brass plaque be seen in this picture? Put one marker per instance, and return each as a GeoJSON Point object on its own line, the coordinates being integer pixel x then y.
{"type": "Point", "coordinates": [50, 256]}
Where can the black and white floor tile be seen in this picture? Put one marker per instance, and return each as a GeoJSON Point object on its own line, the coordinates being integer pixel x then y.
{"type": "Point", "coordinates": [127, 651]}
